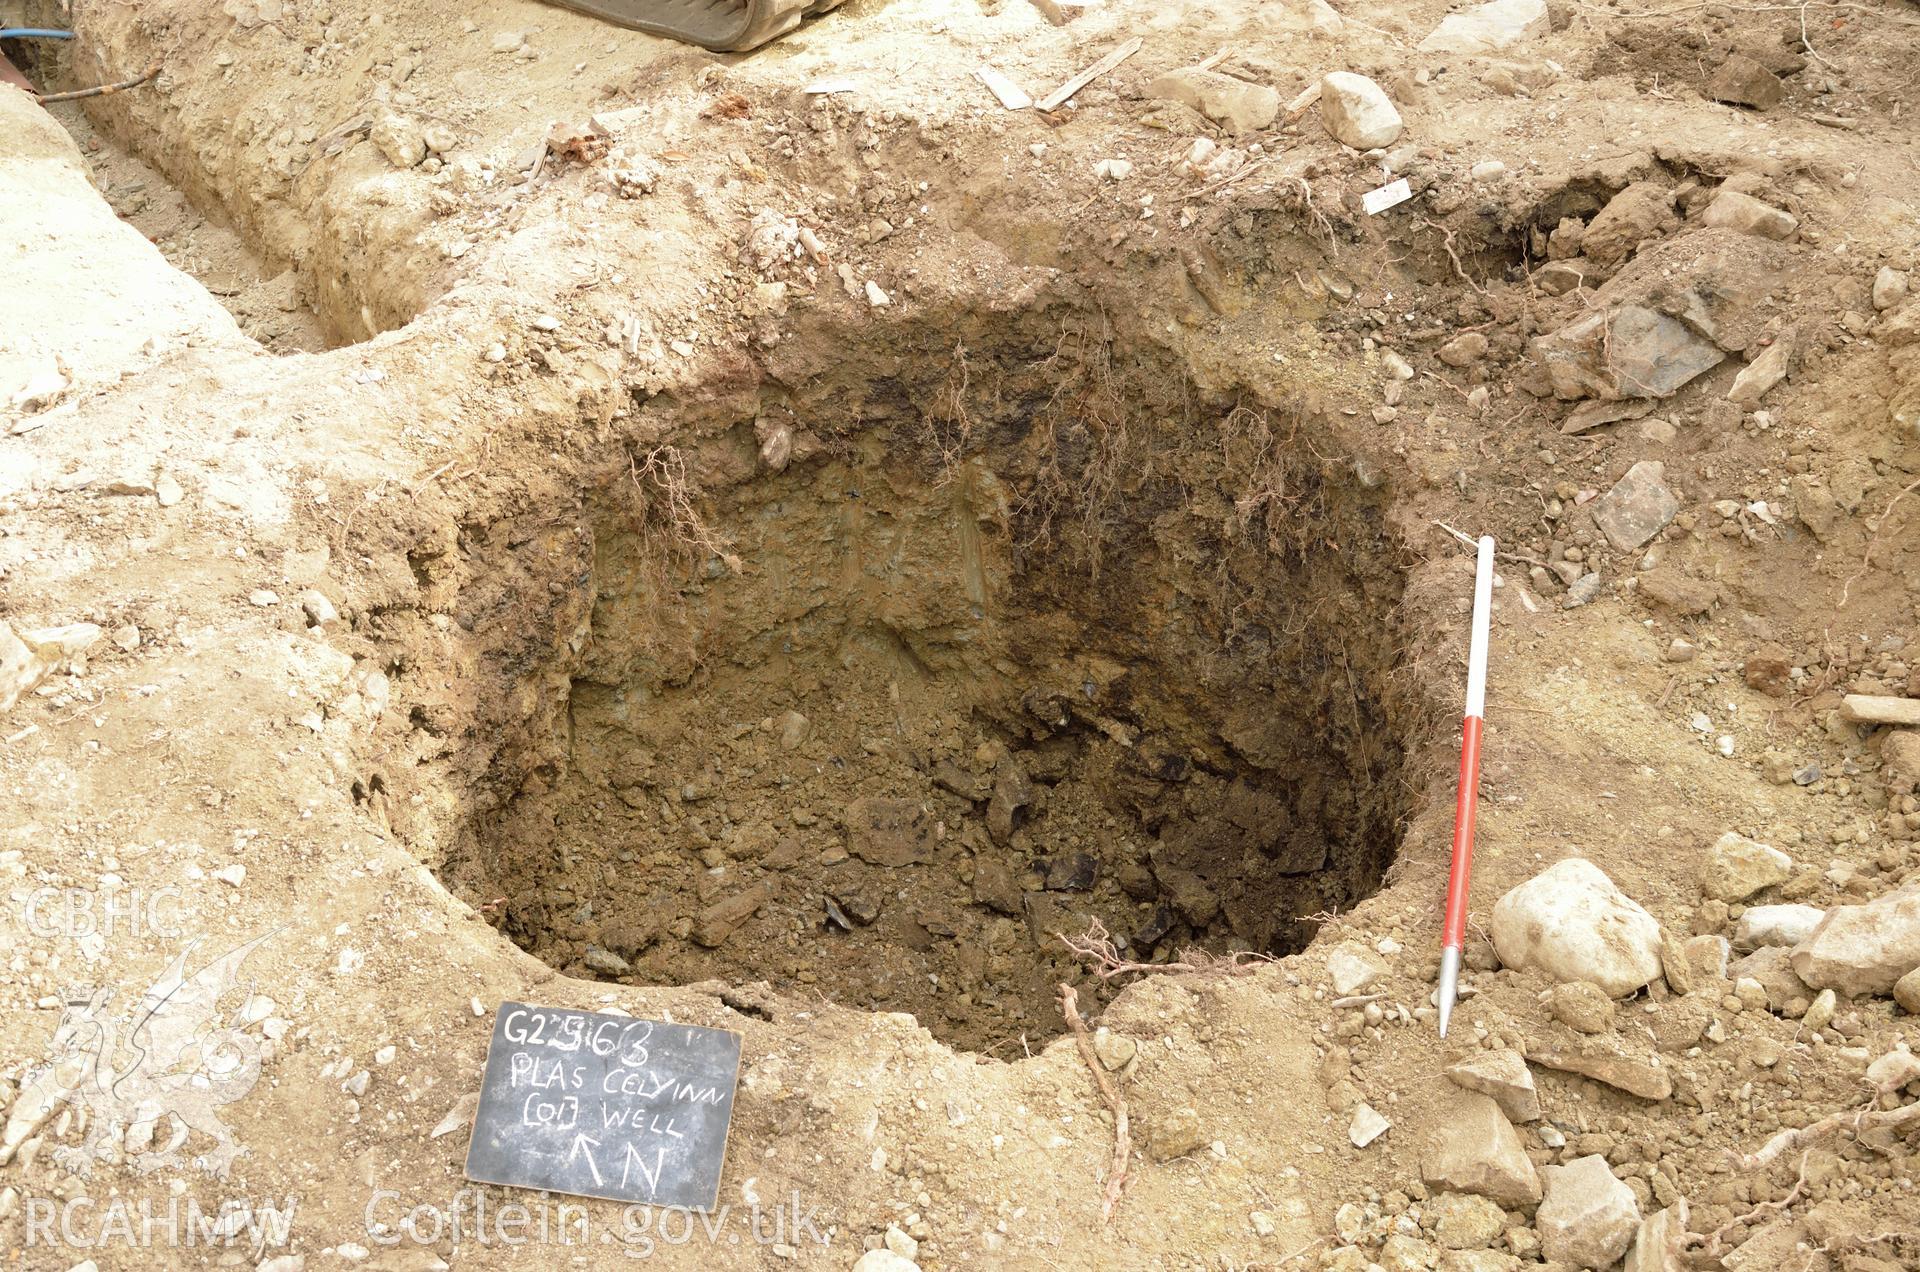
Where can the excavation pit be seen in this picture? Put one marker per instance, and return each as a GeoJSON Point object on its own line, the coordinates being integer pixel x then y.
{"type": "Point", "coordinates": [882, 691]}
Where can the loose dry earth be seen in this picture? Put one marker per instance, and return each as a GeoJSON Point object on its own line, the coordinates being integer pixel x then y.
{"type": "Point", "coordinates": [508, 508]}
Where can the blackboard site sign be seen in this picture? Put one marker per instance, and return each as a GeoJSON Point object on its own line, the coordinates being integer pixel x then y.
{"type": "Point", "coordinates": [609, 1106]}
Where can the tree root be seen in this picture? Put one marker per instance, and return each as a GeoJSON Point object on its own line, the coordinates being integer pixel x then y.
{"type": "Point", "coordinates": [1116, 1102]}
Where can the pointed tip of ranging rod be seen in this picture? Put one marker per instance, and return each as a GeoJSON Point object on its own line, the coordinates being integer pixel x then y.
{"type": "Point", "coordinates": [1449, 985]}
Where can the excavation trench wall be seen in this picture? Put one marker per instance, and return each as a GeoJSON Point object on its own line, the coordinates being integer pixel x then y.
{"type": "Point", "coordinates": [938, 643]}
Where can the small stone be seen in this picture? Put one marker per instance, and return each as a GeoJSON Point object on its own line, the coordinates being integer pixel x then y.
{"type": "Point", "coordinates": [723, 918]}
{"type": "Point", "coordinates": [1396, 366]}
{"type": "Point", "coordinates": [1758, 377]}
{"type": "Point", "coordinates": [1351, 968]}
{"type": "Point", "coordinates": [1889, 287]}
{"type": "Point", "coordinates": [1582, 1006]}
{"type": "Point", "coordinates": [1464, 349]}
{"type": "Point", "coordinates": [794, 729]}
{"type": "Point", "coordinates": [1462, 1221]}
{"type": "Point", "coordinates": [1637, 508]}
{"type": "Point", "coordinates": [1820, 1010]}
{"type": "Point", "coordinates": [233, 875]}
{"type": "Point", "coordinates": [263, 597]}
{"type": "Point", "coordinates": [1762, 925]}
{"type": "Point", "coordinates": [1588, 1218]}
{"type": "Point", "coordinates": [1174, 1134]}
{"type": "Point", "coordinates": [1116, 1051]}
{"type": "Point", "coordinates": [1906, 992]}
{"type": "Point", "coordinates": [358, 1083]}
{"type": "Point", "coordinates": [439, 138]}
{"type": "Point", "coordinates": [1113, 169]}
{"type": "Point", "coordinates": [1737, 867]}
{"type": "Point", "coordinates": [877, 298]}
{"type": "Point", "coordinates": [1641, 1076]}
{"type": "Point", "coordinates": [1742, 81]}
{"type": "Point", "coordinates": [605, 962]}
{"type": "Point", "coordinates": [1570, 921]}
{"type": "Point", "coordinates": [1734, 210]}
{"type": "Point", "coordinates": [1487, 171]}
{"type": "Point", "coordinates": [1367, 1126]}
{"type": "Point", "coordinates": [1680, 651]}
{"type": "Point", "coordinates": [1660, 1244]}
{"type": "Point", "coordinates": [1503, 1076]}
{"type": "Point", "coordinates": [884, 1261]}
{"type": "Point", "coordinates": [508, 41]}
{"type": "Point", "coordinates": [900, 1243]}
{"type": "Point", "coordinates": [545, 322]}
{"type": "Point", "coordinates": [166, 491]}
{"type": "Point", "coordinates": [1357, 112]}
{"type": "Point", "coordinates": [1642, 211]}
{"type": "Point", "coordinates": [126, 637]}
{"type": "Point", "coordinates": [319, 610]}
{"type": "Point", "coordinates": [1582, 591]}
{"type": "Point", "coordinates": [398, 138]}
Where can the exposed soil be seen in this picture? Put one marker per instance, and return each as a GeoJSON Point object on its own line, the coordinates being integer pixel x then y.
{"type": "Point", "coordinates": [786, 559]}
{"type": "Point", "coordinates": [893, 693]}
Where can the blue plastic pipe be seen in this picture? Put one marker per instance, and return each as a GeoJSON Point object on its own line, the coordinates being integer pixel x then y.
{"type": "Point", "coordinates": [33, 33]}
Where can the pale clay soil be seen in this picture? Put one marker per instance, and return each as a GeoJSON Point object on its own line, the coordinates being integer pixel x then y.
{"type": "Point", "coordinates": [1115, 505]}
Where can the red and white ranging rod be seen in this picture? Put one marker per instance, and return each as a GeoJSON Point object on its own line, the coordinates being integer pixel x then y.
{"type": "Point", "coordinates": [1454, 934]}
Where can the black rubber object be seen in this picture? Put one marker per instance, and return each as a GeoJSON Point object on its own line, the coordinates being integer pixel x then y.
{"type": "Point", "coordinates": [726, 26]}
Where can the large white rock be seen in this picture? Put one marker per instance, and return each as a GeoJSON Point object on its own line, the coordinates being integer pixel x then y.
{"type": "Point", "coordinates": [1358, 111]}
{"type": "Point", "coordinates": [1762, 925]}
{"type": "Point", "coordinates": [1863, 949]}
{"type": "Point", "coordinates": [1572, 923]}
{"type": "Point", "coordinates": [1488, 28]}
{"type": "Point", "coordinates": [1737, 867]}
{"type": "Point", "coordinates": [1588, 1218]}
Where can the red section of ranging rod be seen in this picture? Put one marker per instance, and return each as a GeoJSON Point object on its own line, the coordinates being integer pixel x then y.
{"type": "Point", "coordinates": [1460, 877]}
{"type": "Point", "coordinates": [1454, 935]}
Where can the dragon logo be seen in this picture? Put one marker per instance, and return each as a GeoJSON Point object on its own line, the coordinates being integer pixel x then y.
{"type": "Point", "coordinates": [168, 1064]}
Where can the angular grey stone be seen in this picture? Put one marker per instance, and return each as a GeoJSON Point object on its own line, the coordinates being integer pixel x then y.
{"type": "Point", "coordinates": [1863, 949]}
{"type": "Point", "coordinates": [1760, 375]}
{"type": "Point", "coordinates": [1357, 111]}
{"type": "Point", "coordinates": [1743, 81]}
{"type": "Point", "coordinates": [1733, 210]}
{"type": "Point", "coordinates": [1659, 1244]}
{"type": "Point", "coordinates": [1632, 352]}
{"type": "Point", "coordinates": [1761, 925]}
{"type": "Point", "coordinates": [1737, 867]}
{"type": "Point", "coordinates": [1588, 1218]}
{"type": "Point", "coordinates": [1232, 103]}
{"type": "Point", "coordinates": [1502, 1075]}
{"type": "Point", "coordinates": [1476, 1150]}
{"type": "Point", "coordinates": [1637, 508]}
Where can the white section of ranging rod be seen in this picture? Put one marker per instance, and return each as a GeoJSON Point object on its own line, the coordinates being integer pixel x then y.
{"type": "Point", "coordinates": [1482, 615]}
